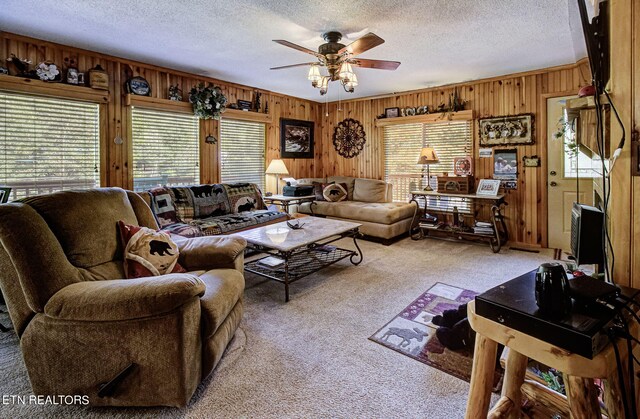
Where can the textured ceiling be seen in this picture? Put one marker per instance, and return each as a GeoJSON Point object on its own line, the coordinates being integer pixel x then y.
{"type": "Point", "coordinates": [437, 41]}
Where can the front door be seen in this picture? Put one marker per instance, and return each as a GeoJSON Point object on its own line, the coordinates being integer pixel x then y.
{"type": "Point", "coordinates": [569, 178]}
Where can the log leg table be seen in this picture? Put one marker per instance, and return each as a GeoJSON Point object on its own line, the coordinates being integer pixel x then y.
{"type": "Point", "coordinates": [579, 372]}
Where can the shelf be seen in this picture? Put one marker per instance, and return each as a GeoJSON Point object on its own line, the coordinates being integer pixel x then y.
{"type": "Point", "coordinates": [52, 89]}
{"type": "Point", "coordinates": [427, 118]}
{"type": "Point", "coordinates": [158, 103]}
{"type": "Point", "coordinates": [247, 115]}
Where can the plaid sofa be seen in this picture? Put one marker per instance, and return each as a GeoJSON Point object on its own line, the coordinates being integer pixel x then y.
{"type": "Point", "coordinates": [208, 210]}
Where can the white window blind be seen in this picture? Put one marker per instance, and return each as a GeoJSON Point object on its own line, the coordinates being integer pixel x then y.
{"type": "Point", "coordinates": [242, 152]}
{"type": "Point", "coordinates": [165, 148]}
{"type": "Point", "coordinates": [48, 145]}
{"type": "Point", "coordinates": [403, 143]}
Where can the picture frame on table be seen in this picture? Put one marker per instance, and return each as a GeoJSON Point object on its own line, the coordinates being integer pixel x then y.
{"type": "Point", "coordinates": [391, 112]}
{"type": "Point", "coordinates": [5, 193]}
{"type": "Point", "coordinates": [489, 187]}
{"type": "Point", "coordinates": [296, 139]}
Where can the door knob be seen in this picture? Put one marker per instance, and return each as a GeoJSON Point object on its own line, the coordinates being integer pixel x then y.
{"type": "Point", "coordinates": [553, 173]}
{"type": "Point", "coordinates": [553, 184]}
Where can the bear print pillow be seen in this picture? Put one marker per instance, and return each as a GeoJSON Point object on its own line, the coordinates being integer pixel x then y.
{"type": "Point", "coordinates": [148, 252]}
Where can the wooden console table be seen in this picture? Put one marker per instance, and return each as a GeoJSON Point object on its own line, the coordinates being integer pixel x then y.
{"type": "Point", "coordinates": [496, 239]}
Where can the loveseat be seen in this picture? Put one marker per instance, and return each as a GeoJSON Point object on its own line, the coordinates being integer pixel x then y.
{"type": "Point", "coordinates": [369, 202]}
{"type": "Point", "coordinates": [208, 210]}
{"type": "Point", "coordinates": [81, 325]}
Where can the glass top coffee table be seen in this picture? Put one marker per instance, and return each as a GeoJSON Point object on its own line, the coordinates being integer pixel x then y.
{"type": "Point", "coordinates": [290, 254]}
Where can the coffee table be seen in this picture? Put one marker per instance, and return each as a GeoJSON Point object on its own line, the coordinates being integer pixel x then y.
{"type": "Point", "coordinates": [296, 253]}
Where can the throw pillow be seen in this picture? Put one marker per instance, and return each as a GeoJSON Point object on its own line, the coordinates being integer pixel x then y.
{"type": "Point", "coordinates": [148, 252]}
{"type": "Point", "coordinates": [335, 192]}
{"type": "Point", "coordinates": [318, 188]}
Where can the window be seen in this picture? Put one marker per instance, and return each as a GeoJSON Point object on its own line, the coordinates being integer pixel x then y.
{"type": "Point", "coordinates": [242, 151]}
{"type": "Point", "coordinates": [403, 142]}
{"type": "Point", "coordinates": [48, 145]}
{"type": "Point", "coordinates": [165, 148]}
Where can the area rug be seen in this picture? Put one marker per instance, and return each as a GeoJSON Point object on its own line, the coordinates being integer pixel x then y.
{"type": "Point", "coordinates": [413, 334]}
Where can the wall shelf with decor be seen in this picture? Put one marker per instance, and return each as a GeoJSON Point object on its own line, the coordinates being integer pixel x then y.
{"type": "Point", "coordinates": [52, 89]}
{"type": "Point", "coordinates": [426, 118]}
{"type": "Point", "coordinates": [158, 104]}
{"type": "Point", "coordinates": [247, 116]}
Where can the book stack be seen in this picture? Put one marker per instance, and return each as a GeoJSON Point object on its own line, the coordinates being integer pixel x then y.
{"type": "Point", "coordinates": [271, 262]}
{"type": "Point", "coordinates": [482, 227]}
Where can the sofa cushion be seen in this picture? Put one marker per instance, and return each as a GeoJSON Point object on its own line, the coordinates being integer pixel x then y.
{"type": "Point", "coordinates": [335, 192]}
{"type": "Point", "coordinates": [369, 190]}
{"type": "Point", "coordinates": [344, 179]}
{"type": "Point", "coordinates": [224, 287]}
{"type": "Point", "coordinates": [244, 197]}
{"type": "Point", "coordinates": [148, 252]}
{"type": "Point", "coordinates": [163, 207]}
{"type": "Point", "coordinates": [381, 213]}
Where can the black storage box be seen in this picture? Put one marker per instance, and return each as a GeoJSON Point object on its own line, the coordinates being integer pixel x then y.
{"type": "Point", "coordinates": [302, 190]}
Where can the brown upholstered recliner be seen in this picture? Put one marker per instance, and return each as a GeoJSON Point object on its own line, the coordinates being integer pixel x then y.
{"type": "Point", "coordinates": [80, 324]}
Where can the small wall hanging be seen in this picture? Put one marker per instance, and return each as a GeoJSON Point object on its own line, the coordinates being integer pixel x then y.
{"type": "Point", "coordinates": [506, 130]}
{"type": "Point", "coordinates": [349, 138]}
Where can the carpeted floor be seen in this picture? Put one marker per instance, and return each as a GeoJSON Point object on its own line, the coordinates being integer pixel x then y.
{"type": "Point", "coordinates": [312, 357]}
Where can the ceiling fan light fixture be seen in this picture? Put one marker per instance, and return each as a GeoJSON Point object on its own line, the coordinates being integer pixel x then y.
{"type": "Point", "coordinates": [314, 75]}
{"type": "Point", "coordinates": [346, 72]}
{"type": "Point", "coordinates": [324, 85]}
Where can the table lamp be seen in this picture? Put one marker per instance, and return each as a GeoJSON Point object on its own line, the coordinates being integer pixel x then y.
{"type": "Point", "coordinates": [428, 156]}
{"type": "Point", "coordinates": [277, 167]}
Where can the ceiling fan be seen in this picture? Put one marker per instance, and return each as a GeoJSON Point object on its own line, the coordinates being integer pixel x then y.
{"type": "Point", "coordinates": [339, 59]}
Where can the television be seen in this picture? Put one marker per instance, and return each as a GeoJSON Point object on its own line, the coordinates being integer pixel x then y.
{"type": "Point", "coordinates": [596, 36]}
{"type": "Point", "coordinates": [587, 239]}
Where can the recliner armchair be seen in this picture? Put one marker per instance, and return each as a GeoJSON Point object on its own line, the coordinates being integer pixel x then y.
{"type": "Point", "coordinates": [84, 330]}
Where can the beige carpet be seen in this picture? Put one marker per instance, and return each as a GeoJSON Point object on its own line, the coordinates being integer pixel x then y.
{"type": "Point", "coordinates": [311, 357]}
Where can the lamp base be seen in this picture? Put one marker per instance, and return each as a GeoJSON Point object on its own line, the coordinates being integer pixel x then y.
{"type": "Point", "coordinates": [428, 188]}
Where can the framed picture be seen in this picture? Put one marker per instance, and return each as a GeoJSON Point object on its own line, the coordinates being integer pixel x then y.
{"type": "Point", "coordinates": [4, 195]}
{"type": "Point", "coordinates": [505, 164]}
{"type": "Point", "coordinates": [391, 112]}
{"type": "Point", "coordinates": [488, 187]}
{"type": "Point", "coordinates": [72, 75]}
{"type": "Point", "coordinates": [296, 139]}
{"type": "Point", "coordinates": [506, 130]}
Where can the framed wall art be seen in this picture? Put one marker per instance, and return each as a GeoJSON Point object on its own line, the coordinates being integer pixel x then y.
{"type": "Point", "coordinates": [296, 139]}
{"type": "Point", "coordinates": [488, 187]}
{"type": "Point", "coordinates": [506, 130]}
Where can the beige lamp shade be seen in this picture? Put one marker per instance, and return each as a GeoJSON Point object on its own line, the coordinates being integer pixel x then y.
{"type": "Point", "coordinates": [277, 167]}
{"type": "Point", "coordinates": [428, 156]}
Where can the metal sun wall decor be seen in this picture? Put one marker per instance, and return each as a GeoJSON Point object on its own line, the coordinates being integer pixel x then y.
{"type": "Point", "coordinates": [506, 130]}
{"type": "Point", "coordinates": [349, 138]}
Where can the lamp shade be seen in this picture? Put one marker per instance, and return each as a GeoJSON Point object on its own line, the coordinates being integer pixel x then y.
{"type": "Point", "coordinates": [428, 156]}
{"type": "Point", "coordinates": [314, 74]}
{"type": "Point", "coordinates": [346, 72]}
{"type": "Point", "coordinates": [277, 167]}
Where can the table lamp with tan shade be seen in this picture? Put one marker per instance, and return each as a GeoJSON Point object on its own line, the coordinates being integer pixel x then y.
{"type": "Point", "coordinates": [277, 167]}
{"type": "Point", "coordinates": [428, 156]}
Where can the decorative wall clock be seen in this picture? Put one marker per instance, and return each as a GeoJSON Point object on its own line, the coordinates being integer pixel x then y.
{"type": "Point", "coordinates": [349, 138]}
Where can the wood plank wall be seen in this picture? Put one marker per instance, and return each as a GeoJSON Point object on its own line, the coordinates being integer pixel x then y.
{"type": "Point", "coordinates": [118, 171]}
{"type": "Point", "coordinates": [508, 95]}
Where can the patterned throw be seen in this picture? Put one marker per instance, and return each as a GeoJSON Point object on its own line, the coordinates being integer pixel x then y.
{"type": "Point", "coordinates": [413, 334]}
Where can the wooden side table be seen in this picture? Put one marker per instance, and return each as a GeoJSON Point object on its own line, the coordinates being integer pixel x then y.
{"type": "Point", "coordinates": [286, 201]}
{"type": "Point", "coordinates": [579, 372]}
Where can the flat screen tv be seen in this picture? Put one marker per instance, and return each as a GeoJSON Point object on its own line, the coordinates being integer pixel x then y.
{"type": "Point", "coordinates": [587, 241]}
{"type": "Point", "coordinates": [596, 36]}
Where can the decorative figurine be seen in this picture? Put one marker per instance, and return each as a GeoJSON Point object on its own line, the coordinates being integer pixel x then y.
{"type": "Point", "coordinates": [256, 103]}
{"type": "Point", "coordinates": [175, 93]}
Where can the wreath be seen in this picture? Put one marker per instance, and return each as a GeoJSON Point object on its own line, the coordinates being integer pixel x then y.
{"type": "Point", "coordinates": [208, 101]}
{"type": "Point", "coordinates": [349, 138]}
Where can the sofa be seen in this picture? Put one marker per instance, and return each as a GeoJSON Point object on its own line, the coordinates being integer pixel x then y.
{"type": "Point", "coordinates": [209, 210]}
{"type": "Point", "coordinates": [84, 330]}
{"type": "Point", "coordinates": [369, 202]}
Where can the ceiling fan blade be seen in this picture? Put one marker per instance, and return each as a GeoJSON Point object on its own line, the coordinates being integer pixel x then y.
{"type": "Point", "coordinates": [377, 64]}
{"type": "Point", "coordinates": [297, 47]}
{"type": "Point", "coordinates": [363, 44]}
{"type": "Point", "coordinates": [292, 65]}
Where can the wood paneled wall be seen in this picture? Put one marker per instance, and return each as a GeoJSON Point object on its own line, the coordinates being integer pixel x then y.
{"type": "Point", "coordinates": [508, 95]}
{"type": "Point", "coordinates": [118, 170]}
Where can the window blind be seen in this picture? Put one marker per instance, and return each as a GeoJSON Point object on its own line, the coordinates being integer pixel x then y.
{"type": "Point", "coordinates": [48, 145]}
{"type": "Point", "coordinates": [403, 143]}
{"type": "Point", "coordinates": [242, 152]}
{"type": "Point", "coordinates": [165, 148]}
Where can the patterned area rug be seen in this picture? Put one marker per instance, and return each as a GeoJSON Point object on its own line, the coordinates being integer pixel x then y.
{"type": "Point", "coordinates": [413, 334]}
